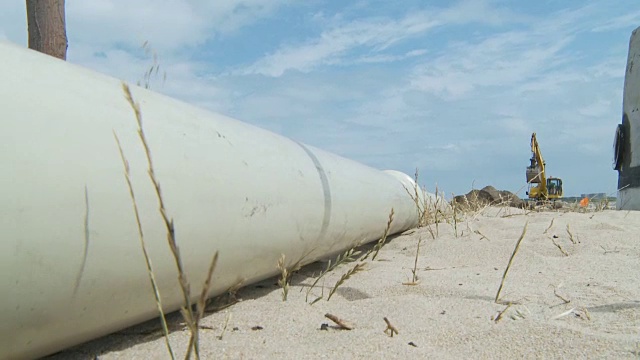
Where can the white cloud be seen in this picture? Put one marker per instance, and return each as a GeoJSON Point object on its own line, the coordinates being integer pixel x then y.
{"type": "Point", "coordinates": [596, 109]}
{"type": "Point", "coordinates": [385, 58]}
{"type": "Point", "coordinates": [374, 35]}
{"type": "Point", "coordinates": [331, 44]}
{"type": "Point", "coordinates": [166, 24]}
{"type": "Point", "coordinates": [619, 22]}
{"type": "Point", "coordinates": [505, 59]}
{"type": "Point", "coordinates": [169, 25]}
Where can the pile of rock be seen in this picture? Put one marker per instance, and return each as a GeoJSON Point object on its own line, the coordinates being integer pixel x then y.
{"type": "Point", "coordinates": [488, 195]}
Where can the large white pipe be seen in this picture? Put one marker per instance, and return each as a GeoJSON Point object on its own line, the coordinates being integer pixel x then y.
{"type": "Point", "coordinates": [72, 265]}
{"type": "Point", "coordinates": [627, 143]}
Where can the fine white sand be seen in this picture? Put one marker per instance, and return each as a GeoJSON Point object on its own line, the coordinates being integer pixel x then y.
{"type": "Point", "coordinates": [451, 312]}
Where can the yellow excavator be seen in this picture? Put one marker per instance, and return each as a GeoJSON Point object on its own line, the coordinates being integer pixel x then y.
{"type": "Point", "coordinates": [541, 188]}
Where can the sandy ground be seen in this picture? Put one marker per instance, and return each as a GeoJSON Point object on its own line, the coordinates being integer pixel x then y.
{"type": "Point", "coordinates": [451, 312]}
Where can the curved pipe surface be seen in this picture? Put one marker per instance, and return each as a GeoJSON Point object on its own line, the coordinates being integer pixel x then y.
{"type": "Point", "coordinates": [72, 264]}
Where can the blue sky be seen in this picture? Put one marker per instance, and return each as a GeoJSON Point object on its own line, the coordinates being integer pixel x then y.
{"type": "Point", "coordinates": [454, 88]}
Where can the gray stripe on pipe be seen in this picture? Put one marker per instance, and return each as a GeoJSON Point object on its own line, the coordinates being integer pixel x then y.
{"type": "Point", "coordinates": [326, 190]}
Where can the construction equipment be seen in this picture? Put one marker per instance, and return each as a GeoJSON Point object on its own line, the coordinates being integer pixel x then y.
{"type": "Point", "coordinates": [541, 188]}
{"type": "Point", "coordinates": [627, 141]}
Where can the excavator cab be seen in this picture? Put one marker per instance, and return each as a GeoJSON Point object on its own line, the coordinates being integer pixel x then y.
{"type": "Point", "coordinates": [554, 186]}
{"type": "Point", "coordinates": [552, 190]}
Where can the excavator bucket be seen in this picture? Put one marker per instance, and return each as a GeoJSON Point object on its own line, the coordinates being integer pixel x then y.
{"type": "Point", "coordinates": [533, 175]}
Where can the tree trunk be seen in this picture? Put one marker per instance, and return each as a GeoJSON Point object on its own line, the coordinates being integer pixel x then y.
{"type": "Point", "coordinates": [47, 28]}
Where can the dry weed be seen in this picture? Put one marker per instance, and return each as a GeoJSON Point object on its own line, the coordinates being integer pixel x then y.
{"type": "Point", "coordinates": [150, 272]}
{"type": "Point", "coordinates": [513, 255]}
{"type": "Point", "coordinates": [191, 319]}
{"type": "Point", "coordinates": [357, 268]}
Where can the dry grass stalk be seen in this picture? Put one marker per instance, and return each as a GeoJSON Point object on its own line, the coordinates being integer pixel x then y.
{"type": "Point", "coordinates": [422, 207]}
{"type": "Point", "coordinates": [229, 298]}
{"type": "Point", "coordinates": [574, 241]}
{"type": "Point", "coordinates": [577, 311]}
{"type": "Point", "coordinates": [413, 194]}
{"type": "Point", "coordinates": [357, 268]}
{"type": "Point", "coordinates": [482, 236]}
{"type": "Point", "coordinates": [614, 251]}
{"type": "Point", "coordinates": [147, 259]}
{"type": "Point", "coordinates": [206, 287]}
{"type": "Point", "coordinates": [518, 315]}
{"type": "Point", "coordinates": [422, 210]}
{"type": "Point", "coordinates": [194, 342]}
{"type": "Point", "coordinates": [555, 292]}
{"type": "Point", "coordinates": [187, 310]}
{"type": "Point", "coordinates": [427, 211]}
{"type": "Point", "coordinates": [390, 330]}
{"type": "Point", "coordinates": [171, 238]}
{"type": "Point", "coordinates": [455, 215]}
{"type": "Point", "coordinates": [550, 225]}
{"type": "Point", "coordinates": [513, 255]}
{"type": "Point", "coordinates": [224, 328]}
{"type": "Point", "coordinates": [467, 203]}
{"type": "Point", "coordinates": [499, 316]}
{"type": "Point", "coordinates": [383, 239]}
{"type": "Point", "coordinates": [436, 212]}
{"type": "Point", "coordinates": [503, 204]}
{"type": "Point", "coordinates": [433, 236]}
{"type": "Point", "coordinates": [414, 271]}
{"type": "Point", "coordinates": [153, 70]}
{"type": "Point", "coordinates": [559, 247]}
{"type": "Point", "coordinates": [343, 324]}
{"type": "Point", "coordinates": [602, 205]}
{"type": "Point", "coordinates": [347, 256]}
{"type": "Point", "coordinates": [319, 297]}
{"type": "Point", "coordinates": [286, 272]}
{"type": "Point", "coordinates": [284, 277]}
{"type": "Point", "coordinates": [570, 311]}
{"type": "Point", "coordinates": [474, 204]}
{"type": "Point", "coordinates": [481, 210]}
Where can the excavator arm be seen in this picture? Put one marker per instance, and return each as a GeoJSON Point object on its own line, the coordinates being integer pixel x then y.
{"type": "Point", "coordinates": [536, 171]}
